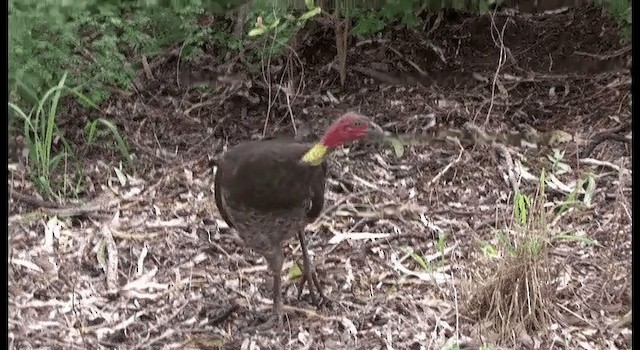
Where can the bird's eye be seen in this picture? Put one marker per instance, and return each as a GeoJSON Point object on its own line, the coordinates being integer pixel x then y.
{"type": "Point", "coordinates": [357, 123]}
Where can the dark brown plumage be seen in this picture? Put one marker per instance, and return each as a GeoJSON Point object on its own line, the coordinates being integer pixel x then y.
{"type": "Point", "coordinates": [270, 190]}
{"type": "Point", "coordinates": [267, 175]}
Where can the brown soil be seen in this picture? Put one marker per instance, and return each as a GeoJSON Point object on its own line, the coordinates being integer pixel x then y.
{"type": "Point", "coordinates": [200, 287]}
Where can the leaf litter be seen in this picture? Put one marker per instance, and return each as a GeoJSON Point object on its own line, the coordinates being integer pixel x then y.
{"type": "Point", "coordinates": [148, 263]}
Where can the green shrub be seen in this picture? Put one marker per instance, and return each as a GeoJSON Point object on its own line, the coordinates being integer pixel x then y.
{"type": "Point", "coordinates": [98, 43]}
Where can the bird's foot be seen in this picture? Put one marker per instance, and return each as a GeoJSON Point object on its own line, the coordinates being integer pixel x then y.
{"type": "Point", "coordinates": [310, 278]}
{"type": "Point", "coordinates": [272, 321]}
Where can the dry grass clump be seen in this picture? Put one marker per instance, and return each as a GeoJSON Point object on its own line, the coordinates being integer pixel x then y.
{"type": "Point", "coordinates": [513, 293]}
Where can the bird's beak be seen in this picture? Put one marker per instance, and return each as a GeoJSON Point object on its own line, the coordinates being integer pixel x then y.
{"type": "Point", "coordinates": [375, 132]}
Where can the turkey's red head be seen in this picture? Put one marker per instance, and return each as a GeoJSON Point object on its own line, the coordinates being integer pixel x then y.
{"type": "Point", "coordinates": [351, 127]}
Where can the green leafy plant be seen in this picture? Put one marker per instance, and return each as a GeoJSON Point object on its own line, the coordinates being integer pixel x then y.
{"type": "Point", "coordinates": [417, 257]}
{"type": "Point", "coordinates": [100, 43]}
{"type": "Point", "coordinates": [396, 144]}
{"type": "Point", "coordinates": [276, 25]}
{"type": "Point", "coordinates": [39, 130]}
{"type": "Point", "coordinates": [521, 206]}
{"type": "Point", "coordinates": [569, 237]}
{"type": "Point", "coordinates": [488, 249]}
{"type": "Point", "coordinates": [426, 265]}
{"type": "Point", "coordinates": [370, 21]}
{"type": "Point", "coordinates": [441, 243]}
{"type": "Point", "coordinates": [621, 11]}
{"type": "Point", "coordinates": [558, 166]}
{"type": "Point", "coordinates": [569, 202]}
{"type": "Point", "coordinates": [586, 186]}
{"type": "Point", "coordinates": [295, 272]}
{"type": "Point", "coordinates": [407, 13]}
{"type": "Point", "coordinates": [513, 293]}
{"type": "Point", "coordinates": [121, 144]}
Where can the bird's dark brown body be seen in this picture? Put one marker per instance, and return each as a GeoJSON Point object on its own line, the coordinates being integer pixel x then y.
{"type": "Point", "coordinates": [270, 190]}
{"type": "Point", "coordinates": [262, 185]}
{"type": "Point", "coordinates": [268, 195]}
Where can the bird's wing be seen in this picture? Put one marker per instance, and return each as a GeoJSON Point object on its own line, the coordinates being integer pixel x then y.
{"type": "Point", "coordinates": [268, 176]}
{"type": "Point", "coordinates": [317, 192]}
{"type": "Point", "coordinates": [218, 196]}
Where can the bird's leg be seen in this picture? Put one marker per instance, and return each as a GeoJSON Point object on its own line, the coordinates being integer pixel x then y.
{"type": "Point", "coordinates": [309, 275]}
{"type": "Point", "coordinates": [275, 264]}
{"type": "Point", "coordinates": [275, 320]}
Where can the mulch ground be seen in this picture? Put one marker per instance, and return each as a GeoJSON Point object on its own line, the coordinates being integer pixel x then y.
{"type": "Point", "coordinates": [184, 280]}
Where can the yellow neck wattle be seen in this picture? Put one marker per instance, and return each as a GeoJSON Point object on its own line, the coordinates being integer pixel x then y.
{"type": "Point", "coordinates": [316, 155]}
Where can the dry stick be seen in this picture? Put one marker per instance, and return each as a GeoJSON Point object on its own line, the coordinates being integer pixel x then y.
{"type": "Point", "coordinates": [165, 323]}
{"type": "Point", "coordinates": [102, 202]}
{"type": "Point", "coordinates": [208, 102]}
{"type": "Point", "coordinates": [298, 89]}
{"type": "Point", "coordinates": [178, 63]}
{"type": "Point", "coordinates": [604, 57]}
{"type": "Point", "coordinates": [367, 246]}
{"type": "Point", "coordinates": [310, 313]}
{"type": "Point", "coordinates": [578, 316]}
{"type": "Point", "coordinates": [410, 62]}
{"type": "Point", "coordinates": [622, 100]}
{"type": "Point", "coordinates": [436, 24]}
{"type": "Point", "coordinates": [510, 166]}
{"type": "Point", "coordinates": [455, 303]}
{"type": "Point", "coordinates": [335, 246]}
{"type": "Point", "coordinates": [339, 202]}
{"type": "Point", "coordinates": [293, 122]}
{"type": "Point", "coordinates": [32, 200]}
{"type": "Point", "coordinates": [309, 343]}
{"type": "Point", "coordinates": [112, 258]}
{"type": "Point", "coordinates": [622, 200]}
{"type": "Point", "coordinates": [301, 83]}
{"type": "Point", "coordinates": [342, 33]}
{"type": "Point", "coordinates": [604, 163]}
{"type": "Point", "coordinates": [624, 321]}
{"type": "Point", "coordinates": [380, 76]}
{"type": "Point", "coordinates": [601, 137]}
{"type": "Point", "coordinates": [147, 69]}
{"type": "Point", "coordinates": [501, 62]}
{"type": "Point", "coordinates": [446, 168]}
{"type": "Point", "coordinates": [370, 41]}
{"type": "Point", "coordinates": [219, 247]}
{"type": "Point", "coordinates": [266, 76]}
{"type": "Point", "coordinates": [286, 94]}
{"type": "Point", "coordinates": [160, 59]}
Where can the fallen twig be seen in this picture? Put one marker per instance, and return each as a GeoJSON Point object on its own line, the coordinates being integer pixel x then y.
{"type": "Point", "coordinates": [448, 166]}
{"type": "Point", "coordinates": [604, 163]}
{"type": "Point", "coordinates": [510, 166]}
{"type": "Point", "coordinates": [112, 257]}
{"type": "Point", "coordinates": [501, 61]}
{"type": "Point", "coordinates": [604, 136]}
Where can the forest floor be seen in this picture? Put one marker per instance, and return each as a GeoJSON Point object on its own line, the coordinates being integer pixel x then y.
{"type": "Point", "coordinates": [184, 281]}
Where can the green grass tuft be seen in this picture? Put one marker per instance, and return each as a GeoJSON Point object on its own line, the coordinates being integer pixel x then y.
{"type": "Point", "coordinates": [39, 131]}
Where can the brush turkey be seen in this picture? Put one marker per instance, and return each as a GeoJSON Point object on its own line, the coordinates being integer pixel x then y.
{"type": "Point", "coordinates": [269, 190]}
